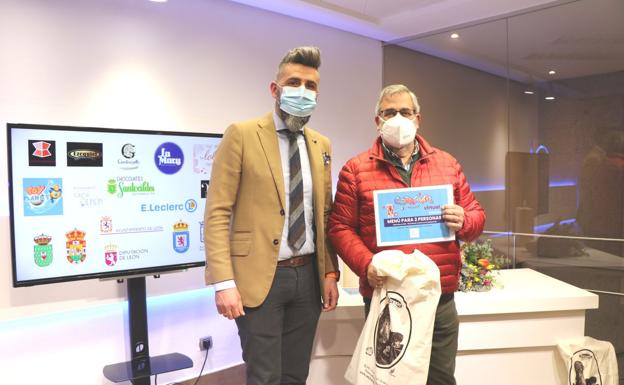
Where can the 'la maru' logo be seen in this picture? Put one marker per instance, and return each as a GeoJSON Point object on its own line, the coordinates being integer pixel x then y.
{"type": "Point", "coordinates": [41, 153]}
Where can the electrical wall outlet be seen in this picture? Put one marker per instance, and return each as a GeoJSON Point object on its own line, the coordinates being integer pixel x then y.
{"type": "Point", "coordinates": [205, 343]}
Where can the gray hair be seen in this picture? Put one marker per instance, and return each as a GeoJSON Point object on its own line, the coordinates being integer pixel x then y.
{"type": "Point", "coordinates": [306, 56]}
{"type": "Point", "coordinates": [393, 90]}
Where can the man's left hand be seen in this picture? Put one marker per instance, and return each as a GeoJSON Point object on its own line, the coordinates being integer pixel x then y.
{"type": "Point", "coordinates": [330, 294]}
{"type": "Point", "coordinates": [453, 216]}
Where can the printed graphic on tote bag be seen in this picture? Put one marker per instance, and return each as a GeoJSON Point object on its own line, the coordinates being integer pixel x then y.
{"type": "Point", "coordinates": [392, 331]}
{"type": "Point", "coordinates": [584, 369]}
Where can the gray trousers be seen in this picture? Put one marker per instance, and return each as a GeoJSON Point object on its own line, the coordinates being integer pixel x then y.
{"type": "Point", "coordinates": [444, 344]}
{"type": "Point", "coordinates": [276, 337]}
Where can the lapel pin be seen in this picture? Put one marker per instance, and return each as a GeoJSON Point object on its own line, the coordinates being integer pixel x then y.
{"type": "Point", "coordinates": [326, 158]}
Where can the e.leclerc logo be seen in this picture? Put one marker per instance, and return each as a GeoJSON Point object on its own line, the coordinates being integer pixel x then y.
{"type": "Point", "coordinates": [190, 206]}
{"type": "Point", "coordinates": [169, 158]}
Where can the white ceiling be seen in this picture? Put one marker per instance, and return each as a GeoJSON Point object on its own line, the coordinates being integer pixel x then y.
{"type": "Point", "coordinates": [575, 37]}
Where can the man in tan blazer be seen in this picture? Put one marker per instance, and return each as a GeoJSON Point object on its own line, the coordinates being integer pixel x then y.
{"type": "Point", "coordinates": [267, 207]}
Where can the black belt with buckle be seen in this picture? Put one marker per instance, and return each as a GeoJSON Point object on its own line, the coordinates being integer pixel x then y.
{"type": "Point", "coordinates": [297, 261]}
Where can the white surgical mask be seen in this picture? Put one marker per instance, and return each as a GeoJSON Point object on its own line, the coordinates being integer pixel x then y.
{"type": "Point", "coordinates": [297, 101]}
{"type": "Point", "coordinates": [398, 131]}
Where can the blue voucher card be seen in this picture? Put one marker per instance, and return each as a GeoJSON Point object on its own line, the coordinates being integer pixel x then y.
{"type": "Point", "coordinates": [412, 215]}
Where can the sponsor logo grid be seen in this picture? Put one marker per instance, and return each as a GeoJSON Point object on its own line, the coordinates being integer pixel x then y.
{"type": "Point", "coordinates": [46, 196]}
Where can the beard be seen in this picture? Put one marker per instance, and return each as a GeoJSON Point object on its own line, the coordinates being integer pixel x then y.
{"type": "Point", "coordinates": [293, 123]}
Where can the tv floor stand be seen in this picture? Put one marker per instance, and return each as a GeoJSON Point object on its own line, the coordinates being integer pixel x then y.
{"type": "Point", "coordinates": [141, 366]}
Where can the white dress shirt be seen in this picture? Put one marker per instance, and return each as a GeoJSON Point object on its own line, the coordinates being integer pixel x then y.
{"type": "Point", "coordinates": [285, 251]}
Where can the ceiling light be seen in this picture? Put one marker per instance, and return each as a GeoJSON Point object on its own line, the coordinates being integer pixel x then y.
{"type": "Point", "coordinates": [549, 98]}
{"type": "Point", "coordinates": [551, 72]}
{"type": "Point", "coordinates": [454, 36]}
{"type": "Point", "coordinates": [528, 92]}
{"type": "Point", "coordinates": [159, 1]}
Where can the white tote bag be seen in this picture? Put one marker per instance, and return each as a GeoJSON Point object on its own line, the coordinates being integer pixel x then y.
{"type": "Point", "coordinates": [395, 344]}
{"type": "Point", "coordinates": [589, 361]}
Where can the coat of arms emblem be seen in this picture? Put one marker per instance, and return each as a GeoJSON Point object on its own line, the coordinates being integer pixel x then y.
{"type": "Point", "coordinates": [76, 246]}
{"type": "Point", "coordinates": [43, 250]}
{"type": "Point", "coordinates": [181, 237]}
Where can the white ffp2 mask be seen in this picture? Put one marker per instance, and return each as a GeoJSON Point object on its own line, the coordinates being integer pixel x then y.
{"type": "Point", "coordinates": [398, 131]}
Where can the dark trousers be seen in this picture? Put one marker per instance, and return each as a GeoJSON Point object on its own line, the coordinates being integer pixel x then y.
{"type": "Point", "coordinates": [276, 337]}
{"type": "Point", "coordinates": [444, 343]}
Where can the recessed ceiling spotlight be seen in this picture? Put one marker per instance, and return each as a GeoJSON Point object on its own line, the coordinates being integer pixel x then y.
{"type": "Point", "coordinates": [454, 36]}
{"type": "Point", "coordinates": [529, 92]}
{"type": "Point", "coordinates": [549, 98]}
{"type": "Point", "coordinates": [551, 72]}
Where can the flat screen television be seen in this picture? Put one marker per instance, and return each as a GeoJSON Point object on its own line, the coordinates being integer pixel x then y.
{"type": "Point", "coordinates": [103, 203]}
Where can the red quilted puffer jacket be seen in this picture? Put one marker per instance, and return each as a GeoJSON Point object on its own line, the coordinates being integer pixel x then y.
{"type": "Point", "coordinates": [352, 221]}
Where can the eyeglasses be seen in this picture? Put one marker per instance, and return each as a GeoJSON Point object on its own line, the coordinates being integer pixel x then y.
{"type": "Point", "coordinates": [391, 113]}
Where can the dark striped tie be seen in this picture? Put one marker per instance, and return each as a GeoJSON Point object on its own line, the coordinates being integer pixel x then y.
{"type": "Point", "coordinates": [296, 217]}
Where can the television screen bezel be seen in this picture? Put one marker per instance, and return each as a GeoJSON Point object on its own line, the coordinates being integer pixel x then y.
{"type": "Point", "coordinates": [121, 274]}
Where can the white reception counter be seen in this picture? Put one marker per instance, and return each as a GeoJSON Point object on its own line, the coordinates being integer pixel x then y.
{"type": "Point", "coordinates": [506, 336]}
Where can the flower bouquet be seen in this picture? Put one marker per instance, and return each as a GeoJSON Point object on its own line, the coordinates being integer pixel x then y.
{"type": "Point", "coordinates": [479, 266]}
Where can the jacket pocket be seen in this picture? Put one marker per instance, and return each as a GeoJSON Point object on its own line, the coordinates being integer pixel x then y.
{"type": "Point", "coordinates": [240, 244]}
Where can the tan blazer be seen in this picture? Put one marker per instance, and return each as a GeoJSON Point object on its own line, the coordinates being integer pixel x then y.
{"type": "Point", "coordinates": [245, 212]}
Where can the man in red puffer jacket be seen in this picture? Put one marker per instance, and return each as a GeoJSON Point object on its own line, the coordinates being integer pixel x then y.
{"type": "Point", "coordinates": [400, 159]}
